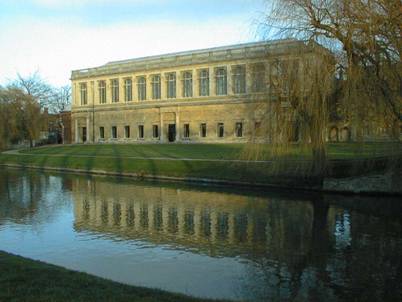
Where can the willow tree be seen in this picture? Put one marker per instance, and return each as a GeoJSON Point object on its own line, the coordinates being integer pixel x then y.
{"type": "Point", "coordinates": [293, 111]}
{"type": "Point", "coordinates": [20, 117]}
{"type": "Point", "coordinates": [367, 36]}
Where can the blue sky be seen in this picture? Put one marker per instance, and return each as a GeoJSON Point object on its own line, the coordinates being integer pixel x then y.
{"type": "Point", "coordinates": [57, 36]}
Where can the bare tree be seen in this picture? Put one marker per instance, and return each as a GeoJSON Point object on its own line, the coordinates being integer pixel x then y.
{"type": "Point", "coordinates": [367, 34]}
{"type": "Point", "coordinates": [61, 99]}
{"type": "Point", "coordinates": [36, 87]}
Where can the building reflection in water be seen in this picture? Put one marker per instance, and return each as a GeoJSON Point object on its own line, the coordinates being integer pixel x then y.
{"type": "Point", "coordinates": [218, 224]}
{"type": "Point", "coordinates": [295, 249]}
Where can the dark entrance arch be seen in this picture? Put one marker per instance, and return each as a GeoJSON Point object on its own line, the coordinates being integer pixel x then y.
{"type": "Point", "coordinates": [172, 132]}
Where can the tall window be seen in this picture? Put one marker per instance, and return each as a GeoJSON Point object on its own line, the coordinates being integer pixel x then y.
{"type": "Point", "coordinates": [114, 132]}
{"type": "Point", "coordinates": [188, 84]}
{"type": "Point", "coordinates": [204, 82]}
{"type": "Point", "coordinates": [239, 79]}
{"type": "Point", "coordinates": [115, 90]}
{"type": "Point", "coordinates": [221, 130]}
{"type": "Point", "coordinates": [258, 78]}
{"type": "Point", "coordinates": [128, 90]}
{"type": "Point", "coordinates": [171, 85]}
{"type": "Point", "coordinates": [83, 93]}
{"type": "Point", "coordinates": [239, 129]}
{"type": "Point", "coordinates": [155, 131]}
{"type": "Point", "coordinates": [156, 87]}
{"type": "Point", "coordinates": [141, 131]}
{"type": "Point", "coordinates": [186, 130]}
{"type": "Point", "coordinates": [102, 92]}
{"type": "Point", "coordinates": [127, 131]}
{"type": "Point", "coordinates": [203, 130]}
{"type": "Point", "coordinates": [101, 132]}
{"type": "Point", "coordinates": [221, 81]}
{"type": "Point", "coordinates": [142, 88]}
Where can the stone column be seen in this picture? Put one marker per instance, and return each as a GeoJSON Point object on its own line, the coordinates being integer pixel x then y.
{"type": "Point", "coordinates": [149, 87]}
{"type": "Point", "coordinates": [108, 91]}
{"type": "Point", "coordinates": [212, 82]}
{"type": "Point", "coordinates": [76, 131]}
{"type": "Point", "coordinates": [195, 84]}
{"type": "Point", "coordinates": [122, 92]}
{"type": "Point", "coordinates": [88, 125]}
{"type": "Point", "coordinates": [161, 136]}
{"type": "Point", "coordinates": [249, 78]}
{"type": "Point", "coordinates": [135, 89]}
{"type": "Point", "coordinates": [229, 80]}
{"type": "Point", "coordinates": [178, 127]}
{"type": "Point", "coordinates": [163, 87]}
{"type": "Point", "coordinates": [179, 84]}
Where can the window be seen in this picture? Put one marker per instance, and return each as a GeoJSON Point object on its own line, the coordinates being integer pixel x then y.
{"type": "Point", "coordinates": [203, 130]}
{"type": "Point", "coordinates": [141, 131]}
{"type": "Point", "coordinates": [101, 132]}
{"type": "Point", "coordinates": [221, 81]}
{"type": "Point", "coordinates": [127, 131]}
{"type": "Point", "coordinates": [204, 82]}
{"type": "Point", "coordinates": [171, 85]}
{"type": "Point", "coordinates": [239, 79]}
{"type": "Point", "coordinates": [114, 132]}
{"type": "Point", "coordinates": [83, 93]}
{"type": "Point", "coordinates": [186, 130]}
{"type": "Point", "coordinates": [142, 88]}
{"type": "Point", "coordinates": [221, 130]}
{"type": "Point", "coordinates": [155, 131]}
{"type": "Point", "coordinates": [187, 84]}
{"type": "Point", "coordinates": [258, 78]}
{"type": "Point", "coordinates": [239, 130]}
{"type": "Point", "coordinates": [115, 90]}
{"type": "Point", "coordinates": [156, 87]}
{"type": "Point", "coordinates": [128, 90]}
{"type": "Point", "coordinates": [102, 92]}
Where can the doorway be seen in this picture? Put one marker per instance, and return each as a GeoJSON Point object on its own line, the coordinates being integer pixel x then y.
{"type": "Point", "coordinates": [84, 134]}
{"type": "Point", "coordinates": [172, 132]}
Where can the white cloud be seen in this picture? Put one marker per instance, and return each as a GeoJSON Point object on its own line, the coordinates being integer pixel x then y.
{"type": "Point", "coordinates": [55, 47]}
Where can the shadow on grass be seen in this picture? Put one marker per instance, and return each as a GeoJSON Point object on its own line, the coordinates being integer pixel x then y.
{"type": "Point", "coordinates": [90, 162]}
{"type": "Point", "coordinates": [118, 167]}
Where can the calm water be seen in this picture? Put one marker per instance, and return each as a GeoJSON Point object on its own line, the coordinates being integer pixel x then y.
{"type": "Point", "coordinates": [207, 242]}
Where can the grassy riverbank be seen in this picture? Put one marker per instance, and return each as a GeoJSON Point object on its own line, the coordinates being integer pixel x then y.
{"type": "Point", "coordinates": [27, 280]}
{"type": "Point", "coordinates": [223, 162]}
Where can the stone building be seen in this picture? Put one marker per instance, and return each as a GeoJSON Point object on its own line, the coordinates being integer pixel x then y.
{"type": "Point", "coordinates": [210, 95]}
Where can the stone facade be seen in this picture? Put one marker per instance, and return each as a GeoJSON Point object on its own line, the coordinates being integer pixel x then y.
{"type": "Point", "coordinates": [211, 95]}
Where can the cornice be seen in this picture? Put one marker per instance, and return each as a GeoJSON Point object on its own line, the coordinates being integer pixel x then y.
{"type": "Point", "coordinates": [203, 56]}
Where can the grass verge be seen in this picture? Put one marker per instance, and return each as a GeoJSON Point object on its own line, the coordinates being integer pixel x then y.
{"type": "Point", "coordinates": [155, 160]}
{"type": "Point", "coordinates": [27, 280]}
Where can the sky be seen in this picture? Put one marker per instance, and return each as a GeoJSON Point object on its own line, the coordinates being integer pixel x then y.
{"type": "Point", "coordinates": [55, 37]}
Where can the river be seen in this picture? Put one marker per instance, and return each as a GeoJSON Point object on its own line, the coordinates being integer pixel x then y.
{"type": "Point", "coordinates": [206, 241]}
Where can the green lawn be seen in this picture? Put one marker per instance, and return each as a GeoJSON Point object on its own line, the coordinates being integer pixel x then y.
{"type": "Point", "coordinates": [26, 280]}
{"type": "Point", "coordinates": [217, 151]}
{"type": "Point", "coordinates": [152, 160]}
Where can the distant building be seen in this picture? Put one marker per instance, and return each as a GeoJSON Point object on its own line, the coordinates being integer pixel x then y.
{"type": "Point", "coordinates": [57, 127]}
{"type": "Point", "coordinates": [210, 95]}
